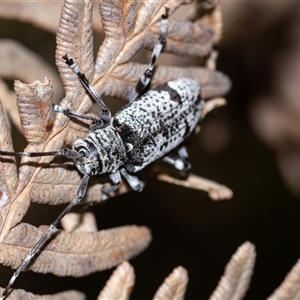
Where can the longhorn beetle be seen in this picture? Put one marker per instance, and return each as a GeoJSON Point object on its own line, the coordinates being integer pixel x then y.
{"type": "Point", "coordinates": [148, 128]}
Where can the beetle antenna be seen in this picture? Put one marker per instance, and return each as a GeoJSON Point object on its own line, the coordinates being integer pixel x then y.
{"type": "Point", "coordinates": [80, 194]}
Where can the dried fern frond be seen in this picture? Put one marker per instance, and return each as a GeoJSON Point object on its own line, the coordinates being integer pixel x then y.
{"type": "Point", "coordinates": [120, 284]}
{"type": "Point", "coordinates": [67, 295]}
{"type": "Point", "coordinates": [74, 36]}
{"type": "Point", "coordinates": [38, 13]}
{"type": "Point", "coordinates": [79, 222]}
{"type": "Point", "coordinates": [215, 190]}
{"type": "Point", "coordinates": [74, 254]}
{"type": "Point", "coordinates": [233, 284]}
{"type": "Point", "coordinates": [174, 285]}
{"type": "Point", "coordinates": [290, 287]}
{"type": "Point", "coordinates": [235, 281]}
{"type": "Point", "coordinates": [128, 26]}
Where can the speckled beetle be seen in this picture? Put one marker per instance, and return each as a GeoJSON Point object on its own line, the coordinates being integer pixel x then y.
{"type": "Point", "coordinates": [148, 128]}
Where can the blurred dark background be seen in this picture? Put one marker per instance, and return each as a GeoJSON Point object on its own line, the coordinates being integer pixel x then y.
{"type": "Point", "coordinates": [236, 148]}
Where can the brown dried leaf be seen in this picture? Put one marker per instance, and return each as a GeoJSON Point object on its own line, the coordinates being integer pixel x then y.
{"type": "Point", "coordinates": [43, 14]}
{"type": "Point", "coordinates": [211, 62]}
{"type": "Point", "coordinates": [7, 164]}
{"type": "Point", "coordinates": [74, 254]}
{"type": "Point", "coordinates": [215, 20]}
{"type": "Point", "coordinates": [74, 37]}
{"type": "Point", "coordinates": [8, 174]}
{"type": "Point", "coordinates": [215, 190]}
{"type": "Point", "coordinates": [79, 222]}
{"type": "Point", "coordinates": [236, 279]}
{"type": "Point", "coordinates": [35, 100]}
{"type": "Point", "coordinates": [290, 287]}
{"type": "Point", "coordinates": [188, 38]}
{"type": "Point", "coordinates": [58, 183]}
{"type": "Point", "coordinates": [120, 284]}
{"type": "Point", "coordinates": [21, 294]}
{"type": "Point", "coordinates": [211, 105]}
{"type": "Point", "coordinates": [34, 104]}
{"type": "Point", "coordinates": [174, 285]}
{"type": "Point", "coordinates": [124, 79]}
{"type": "Point", "coordinates": [122, 42]}
{"type": "Point", "coordinates": [55, 184]}
{"type": "Point", "coordinates": [78, 130]}
{"type": "Point", "coordinates": [112, 74]}
{"type": "Point", "coordinates": [213, 83]}
{"type": "Point", "coordinates": [21, 63]}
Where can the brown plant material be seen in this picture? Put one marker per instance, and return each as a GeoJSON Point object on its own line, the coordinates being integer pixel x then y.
{"type": "Point", "coordinates": [215, 20]}
{"type": "Point", "coordinates": [112, 75]}
{"type": "Point", "coordinates": [79, 222]}
{"type": "Point", "coordinates": [235, 282]}
{"type": "Point", "coordinates": [120, 284]}
{"type": "Point", "coordinates": [211, 105]}
{"type": "Point", "coordinates": [174, 285]}
{"type": "Point", "coordinates": [128, 26]}
{"type": "Point", "coordinates": [18, 62]}
{"type": "Point", "coordinates": [215, 190]}
{"type": "Point", "coordinates": [42, 14]}
{"type": "Point", "coordinates": [290, 287]}
{"type": "Point", "coordinates": [232, 285]}
{"type": "Point", "coordinates": [74, 254]}
{"type": "Point", "coordinates": [67, 295]}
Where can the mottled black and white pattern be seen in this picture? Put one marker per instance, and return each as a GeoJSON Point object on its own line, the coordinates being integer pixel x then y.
{"type": "Point", "coordinates": [158, 121]}
{"type": "Point", "coordinates": [143, 131]}
{"type": "Point", "coordinates": [104, 152]}
{"type": "Point", "coordinates": [148, 128]}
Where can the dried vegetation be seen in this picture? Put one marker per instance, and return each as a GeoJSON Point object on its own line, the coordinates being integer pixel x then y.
{"type": "Point", "coordinates": [80, 249]}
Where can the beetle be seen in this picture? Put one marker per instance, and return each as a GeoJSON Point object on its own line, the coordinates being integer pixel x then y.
{"type": "Point", "coordinates": [141, 132]}
{"type": "Point", "coordinates": [146, 129]}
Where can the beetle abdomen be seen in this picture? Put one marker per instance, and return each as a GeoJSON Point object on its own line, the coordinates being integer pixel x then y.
{"type": "Point", "coordinates": [158, 121]}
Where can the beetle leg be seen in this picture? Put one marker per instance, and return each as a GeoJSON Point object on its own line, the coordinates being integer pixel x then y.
{"type": "Point", "coordinates": [145, 79]}
{"type": "Point", "coordinates": [135, 183]}
{"type": "Point", "coordinates": [116, 180]}
{"type": "Point", "coordinates": [179, 161]}
{"type": "Point", "coordinates": [105, 116]}
{"type": "Point", "coordinates": [72, 114]}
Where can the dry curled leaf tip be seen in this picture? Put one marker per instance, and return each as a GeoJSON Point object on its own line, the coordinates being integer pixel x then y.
{"type": "Point", "coordinates": [236, 279]}
{"type": "Point", "coordinates": [174, 285]}
{"type": "Point", "coordinates": [212, 104]}
{"type": "Point", "coordinates": [34, 104]}
{"type": "Point", "coordinates": [120, 284]}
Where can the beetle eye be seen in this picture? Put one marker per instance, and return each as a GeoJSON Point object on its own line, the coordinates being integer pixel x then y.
{"type": "Point", "coordinates": [83, 151]}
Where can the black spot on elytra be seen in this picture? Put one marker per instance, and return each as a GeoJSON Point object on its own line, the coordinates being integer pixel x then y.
{"type": "Point", "coordinates": [173, 94]}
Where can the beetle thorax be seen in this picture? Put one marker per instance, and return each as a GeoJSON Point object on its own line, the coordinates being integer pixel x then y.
{"type": "Point", "coordinates": [103, 152]}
